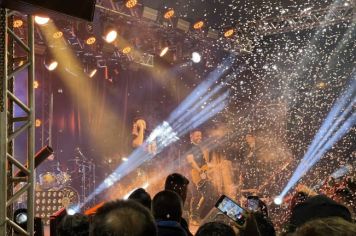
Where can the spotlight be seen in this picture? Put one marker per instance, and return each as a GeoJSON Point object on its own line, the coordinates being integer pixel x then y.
{"type": "Point", "coordinates": [57, 35]}
{"type": "Point", "coordinates": [124, 159]}
{"type": "Point", "coordinates": [169, 14]}
{"type": "Point", "coordinates": [52, 65]}
{"type": "Point", "coordinates": [131, 3]}
{"type": "Point", "coordinates": [198, 25]}
{"type": "Point", "coordinates": [111, 36]}
{"type": "Point", "coordinates": [164, 51]}
{"type": "Point", "coordinates": [17, 23]}
{"type": "Point", "coordinates": [71, 211]}
{"type": "Point", "coordinates": [278, 200]}
{"type": "Point", "coordinates": [229, 33]}
{"type": "Point", "coordinates": [40, 20]}
{"type": "Point", "coordinates": [92, 73]}
{"type": "Point", "coordinates": [126, 50]}
{"type": "Point", "coordinates": [91, 40]}
{"type": "Point", "coordinates": [196, 57]}
{"type": "Point", "coordinates": [21, 218]}
{"type": "Point", "coordinates": [38, 123]}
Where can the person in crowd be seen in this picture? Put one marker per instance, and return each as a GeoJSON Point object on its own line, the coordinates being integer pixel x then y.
{"type": "Point", "coordinates": [179, 184]}
{"type": "Point", "coordinates": [317, 207]}
{"type": "Point", "coordinates": [215, 229]}
{"type": "Point", "coordinates": [167, 208]}
{"type": "Point", "coordinates": [74, 225]}
{"type": "Point", "coordinates": [333, 226]}
{"type": "Point", "coordinates": [140, 195]}
{"type": "Point", "coordinates": [123, 218]}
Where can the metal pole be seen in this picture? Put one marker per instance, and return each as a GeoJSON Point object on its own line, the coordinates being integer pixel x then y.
{"type": "Point", "coordinates": [31, 129]}
{"type": "Point", "coordinates": [3, 122]}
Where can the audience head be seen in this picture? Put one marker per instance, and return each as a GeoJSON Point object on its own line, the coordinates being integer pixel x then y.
{"type": "Point", "coordinates": [167, 205]}
{"type": "Point", "coordinates": [74, 225]}
{"type": "Point", "coordinates": [123, 218]}
{"type": "Point", "coordinates": [215, 229]}
{"type": "Point", "coordinates": [177, 183]}
{"type": "Point", "coordinates": [316, 207]}
{"type": "Point", "coordinates": [140, 195]}
{"type": "Point", "coordinates": [264, 224]}
{"type": "Point", "coordinates": [334, 226]}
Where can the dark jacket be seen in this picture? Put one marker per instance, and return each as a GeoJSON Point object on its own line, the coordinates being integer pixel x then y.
{"type": "Point", "coordinates": [170, 228]}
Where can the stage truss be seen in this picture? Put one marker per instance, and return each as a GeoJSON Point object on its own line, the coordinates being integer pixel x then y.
{"type": "Point", "coordinates": [12, 126]}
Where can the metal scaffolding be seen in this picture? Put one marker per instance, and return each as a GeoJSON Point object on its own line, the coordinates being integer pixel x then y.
{"type": "Point", "coordinates": [13, 125]}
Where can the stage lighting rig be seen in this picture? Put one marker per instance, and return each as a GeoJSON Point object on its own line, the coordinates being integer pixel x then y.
{"type": "Point", "coordinates": [42, 20]}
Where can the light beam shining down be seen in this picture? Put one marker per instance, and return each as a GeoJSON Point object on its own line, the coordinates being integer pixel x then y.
{"type": "Point", "coordinates": [341, 118]}
{"type": "Point", "coordinates": [213, 94]}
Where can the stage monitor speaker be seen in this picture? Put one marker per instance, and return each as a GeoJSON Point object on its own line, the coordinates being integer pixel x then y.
{"type": "Point", "coordinates": [83, 9]}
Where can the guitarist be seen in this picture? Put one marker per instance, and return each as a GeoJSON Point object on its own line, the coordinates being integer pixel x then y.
{"type": "Point", "coordinates": [202, 189]}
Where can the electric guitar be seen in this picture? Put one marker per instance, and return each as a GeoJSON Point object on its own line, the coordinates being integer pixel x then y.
{"type": "Point", "coordinates": [199, 177]}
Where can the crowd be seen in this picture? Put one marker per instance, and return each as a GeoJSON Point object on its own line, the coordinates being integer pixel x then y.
{"type": "Point", "coordinates": [162, 216]}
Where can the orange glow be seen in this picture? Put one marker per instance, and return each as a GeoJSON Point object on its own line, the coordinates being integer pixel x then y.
{"type": "Point", "coordinates": [229, 33]}
{"type": "Point", "coordinates": [198, 25]}
{"type": "Point", "coordinates": [169, 14]}
{"type": "Point", "coordinates": [131, 3]}
{"type": "Point", "coordinates": [35, 84]}
{"type": "Point", "coordinates": [38, 123]}
{"type": "Point", "coordinates": [91, 40]}
{"type": "Point", "coordinates": [17, 23]}
{"type": "Point", "coordinates": [57, 35]}
{"type": "Point", "coordinates": [126, 50]}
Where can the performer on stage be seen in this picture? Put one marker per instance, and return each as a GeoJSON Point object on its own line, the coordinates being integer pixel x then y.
{"type": "Point", "coordinates": [202, 192]}
{"type": "Point", "coordinates": [139, 135]}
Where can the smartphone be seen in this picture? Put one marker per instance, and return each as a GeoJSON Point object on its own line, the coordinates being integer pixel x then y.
{"type": "Point", "coordinates": [253, 203]}
{"type": "Point", "coordinates": [231, 209]}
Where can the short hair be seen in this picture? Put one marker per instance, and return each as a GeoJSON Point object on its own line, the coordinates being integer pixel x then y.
{"type": "Point", "coordinates": [215, 229]}
{"type": "Point", "coordinates": [333, 226]}
{"type": "Point", "coordinates": [140, 195]}
{"type": "Point", "coordinates": [123, 218]}
{"type": "Point", "coordinates": [177, 183]}
{"type": "Point", "coordinates": [167, 205]}
{"type": "Point", "coordinates": [74, 225]}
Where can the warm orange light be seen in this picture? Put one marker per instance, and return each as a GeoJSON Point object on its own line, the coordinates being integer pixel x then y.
{"type": "Point", "coordinates": [321, 85]}
{"type": "Point", "coordinates": [131, 3]}
{"type": "Point", "coordinates": [17, 23]}
{"type": "Point", "coordinates": [91, 40]}
{"type": "Point", "coordinates": [35, 84]}
{"type": "Point", "coordinates": [57, 35]}
{"type": "Point", "coordinates": [229, 33]}
{"type": "Point", "coordinates": [169, 14]}
{"type": "Point", "coordinates": [126, 50]}
{"type": "Point", "coordinates": [198, 25]}
{"type": "Point", "coordinates": [38, 123]}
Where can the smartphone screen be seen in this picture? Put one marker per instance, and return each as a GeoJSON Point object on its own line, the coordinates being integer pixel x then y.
{"type": "Point", "coordinates": [253, 203]}
{"type": "Point", "coordinates": [231, 209]}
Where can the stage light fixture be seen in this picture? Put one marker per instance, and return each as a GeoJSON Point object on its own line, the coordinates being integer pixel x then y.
{"type": "Point", "coordinates": [52, 65]}
{"type": "Point", "coordinates": [198, 25]}
{"type": "Point", "coordinates": [131, 3]}
{"type": "Point", "coordinates": [41, 20]}
{"type": "Point", "coordinates": [18, 23]}
{"type": "Point", "coordinates": [126, 50]}
{"type": "Point", "coordinates": [278, 200]}
{"type": "Point", "coordinates": [110, 36]}
{"type": "Point", "coordinates": [91, 40]}
{"type": "Point", "coordinates": [38, 123]}
{"type": "Point", "coordinates": [164, 51]}
{"type": "Point", "coordinates": [57, 35]}
{"type": "Point", "coordinates": [169, 14]}
{"type": "Point", "coordinates": [196, 57]}
{"type": "Point", "coordinates": [228, 33]}
{"type": "Point", "coordinates": [92, 73]}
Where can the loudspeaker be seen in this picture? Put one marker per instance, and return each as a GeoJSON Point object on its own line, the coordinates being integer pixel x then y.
{"type": "Point", "coordinates": [83, 9]}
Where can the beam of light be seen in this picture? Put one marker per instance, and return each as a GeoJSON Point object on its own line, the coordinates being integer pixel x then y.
{"type": "Point", "coordinates": [170, 131]}
{"type": "Point", "coordinates": [164, 51]}
{"type": "Point", "coordinates": [339, 121]}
